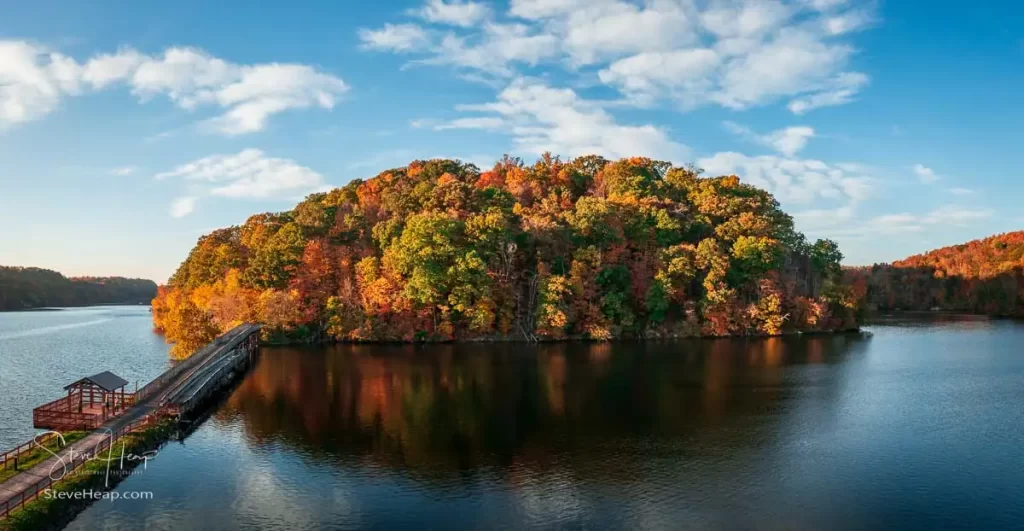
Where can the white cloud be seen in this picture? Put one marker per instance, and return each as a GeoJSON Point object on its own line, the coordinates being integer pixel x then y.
{"type": "Point", "coordinates": [589, 31]}
{"type": "Point", "coordinates": [961, 191]}
{"type": "Point", "coordinates": [604, 30]}
{"type": "Point", "coordinates": [905, 223]}
{"type": "Point", "coordinates": [483, 122]}
{"type": "Point", "coordinates": [893, 223]}
{"type": "Point", "coordinates": [949, 215]}
{"type": "Point", "coordinates": [739, 130]}
{"type": "Point", "coordinates": [838, 91]}
{"type": "Point", "coordinates": [33, 81]}
{"type": "Point", "coordinates": [394, 37]}
{"type": "Point", "coordinates": [745, 54]}
{"type": "Point", "coordinates": [849, 21]}
{"type": "Point", "coordinates": [733, 53]}
{"type": "Point", "coordinates": [794, 62]}
{"type": "Point", "coordinates": [925, 174]}
{"type": "Point", "coordinates": [541, 118]}
{"type": "Point", "coordinates": [182, 206]}
{"type": "Point", "coordinates": [745, 20]}
{"type": "Point", "coordinates": [540, 9]}
{"type": "Point", "coordinates": [824, 198]}
{"type": "Point", "coordinates": [192, 78]}
{"type": "Point", "coordinates": [264, 90]}
{"type": "Point", "coordinates": [491, 51]}
{"type": "Point", "coordinates": [496, 49]}
{"type": "Point", "coordinates": [957, 215]}
{"type": "Point", "coordinates": [793, 180]}
{"type": "Point", "coordinates": [821, 220]}
{"type": "Point", "coordinates": [420, 123]}
{"type": "Point", "coordinates": [455, 13]}
{"type": "Point", "coordinates": [249, 174]}
{"type": "Point", "coordinates": [826, 5]}
{"type": "Point", "coordinates": [788, 141]}
{"type": "Point", "coordinates": [124, 171]}
{"type": "Point", "coordinates": [105, 69]}
{"type": "Point", "coordinates": [685, 73]}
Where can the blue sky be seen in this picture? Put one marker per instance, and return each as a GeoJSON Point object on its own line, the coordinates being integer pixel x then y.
{"type": "Point", "coordinates": [128, 131]}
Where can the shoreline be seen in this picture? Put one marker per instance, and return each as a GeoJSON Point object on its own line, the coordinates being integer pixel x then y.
{"type": "Point", "coordinates": [572, 339]}
{"type": "Point", "coordinates": [64, 308]}
{"type": "Point", "coordinates": [952, 315]}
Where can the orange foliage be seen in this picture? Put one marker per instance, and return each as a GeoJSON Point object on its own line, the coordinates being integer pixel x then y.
{"type": "Point", "coordinates": [439, 251]}
{"type": "Point", "coordinates": [983, 276]}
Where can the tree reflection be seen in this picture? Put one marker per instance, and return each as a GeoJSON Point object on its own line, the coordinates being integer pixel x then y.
{"type": "Point", "coordinates": [440, 408]}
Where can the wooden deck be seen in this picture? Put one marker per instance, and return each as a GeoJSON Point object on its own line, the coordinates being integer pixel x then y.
{"type": "Point", "coordinates": [178, 391]}
{"type": "Point", "coordinates": [69, 413]}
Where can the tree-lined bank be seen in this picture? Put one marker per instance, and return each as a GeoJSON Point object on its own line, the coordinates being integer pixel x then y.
{"type": "Point", "coordinates": [23, 288]}
{"type": "Point", "coordinates": [984, 276]}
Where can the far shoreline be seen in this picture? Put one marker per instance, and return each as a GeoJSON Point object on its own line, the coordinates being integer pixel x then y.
{"type": "Point", "coordinates": [64, 308]}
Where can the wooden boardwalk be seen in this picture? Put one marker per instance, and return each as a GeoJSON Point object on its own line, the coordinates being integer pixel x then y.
{"type": "Point", "coordinates": [177, 392]}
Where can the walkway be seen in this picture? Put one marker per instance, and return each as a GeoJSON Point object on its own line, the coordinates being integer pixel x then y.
{"type": "Point", "coordinates": [169, 384]}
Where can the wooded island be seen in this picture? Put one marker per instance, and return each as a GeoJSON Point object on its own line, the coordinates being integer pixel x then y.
{"type": "Point", "coordinates": [439, 251]}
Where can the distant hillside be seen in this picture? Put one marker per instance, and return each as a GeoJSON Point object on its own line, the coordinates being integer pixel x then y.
{"type": "Point", "coordinates": [23, 288]}
{"type": "Point", "coordinates": [983, 276]}
{"type": "Point", "coordinates": [985, 258]}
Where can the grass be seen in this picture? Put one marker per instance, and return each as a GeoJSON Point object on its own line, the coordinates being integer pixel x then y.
{"type": "Point", "coordinates": [38, 455]}
{"type": "Point", "coordinates": [44, 512]}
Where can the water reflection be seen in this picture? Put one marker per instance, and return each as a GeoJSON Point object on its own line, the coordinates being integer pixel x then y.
{"type": "Point", "coordinates": [912, 428]}
{"type": "Point", "coordinates": [465, 407]}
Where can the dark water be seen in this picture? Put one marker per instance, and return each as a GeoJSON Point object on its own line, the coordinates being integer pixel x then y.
{"type": "Point", "coordinates": [42, 351]}
{"type": "Point", "coordinates": [919, 426]}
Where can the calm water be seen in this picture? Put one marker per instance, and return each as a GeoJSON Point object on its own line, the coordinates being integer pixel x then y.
{"type": "Point", "coordinates": [42, 351]}
{"type": "Point", "coordinates": [918, 427]}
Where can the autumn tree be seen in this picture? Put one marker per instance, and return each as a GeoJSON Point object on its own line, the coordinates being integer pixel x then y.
{"type": "Point", "coordinates": [554, 249]}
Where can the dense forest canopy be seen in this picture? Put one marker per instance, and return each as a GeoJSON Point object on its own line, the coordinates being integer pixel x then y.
{"type": "Point", "coordinates": [981, 276]}
{"type": "Point", "coordinates": [31, 287]}
{"type": "Point", "coordinates": [439, 250]}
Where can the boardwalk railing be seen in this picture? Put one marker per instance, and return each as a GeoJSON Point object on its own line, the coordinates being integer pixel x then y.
{"type": "Point", "coordinates": [198, 358]}
{"type": "Point", "coordinates": [66, 413]}
{"type": "Point", "coordinates": [185, 397]}
{"type": "Point", "coordinates": [9, 458]}
{"type": "Point", "coordinates": [33, 492]}
{"type": "Point", "coordinates": [183, 382]}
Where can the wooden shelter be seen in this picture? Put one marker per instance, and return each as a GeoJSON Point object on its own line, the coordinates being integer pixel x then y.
{"type": "Point", "coordinates": [105, 389]}
{"type": "Point", "coordinates": [89, 403]}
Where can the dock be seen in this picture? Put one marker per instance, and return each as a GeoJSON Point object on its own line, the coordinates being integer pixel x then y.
{"type": "Point", "coordinates": [178, 393]}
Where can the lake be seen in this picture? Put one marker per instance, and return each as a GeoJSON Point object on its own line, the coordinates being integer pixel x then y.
{"type": "Point", "coordinates": [42, 351]}
{"type": "Point", "coordinates": [917, 425]}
